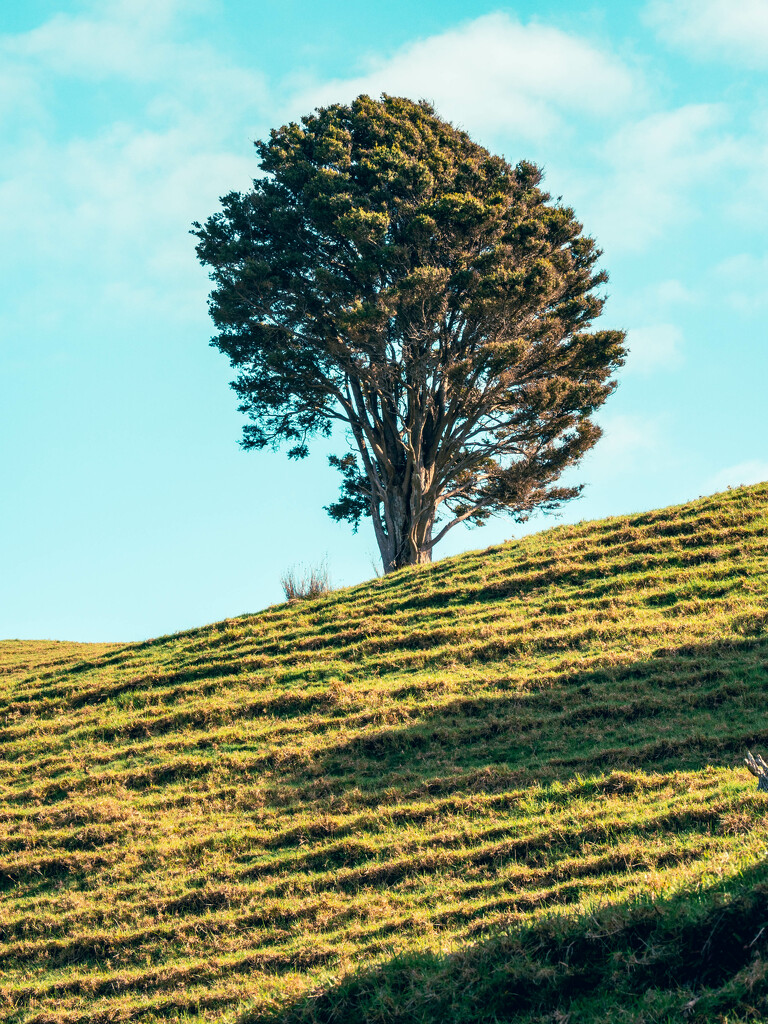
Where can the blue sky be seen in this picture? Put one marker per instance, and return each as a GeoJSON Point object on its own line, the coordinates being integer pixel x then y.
{"type": "Point", "coordinates": [128, 509]}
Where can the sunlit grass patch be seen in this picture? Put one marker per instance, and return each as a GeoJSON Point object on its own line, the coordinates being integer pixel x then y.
{"type": "Point", "coordinates": [416, 799]}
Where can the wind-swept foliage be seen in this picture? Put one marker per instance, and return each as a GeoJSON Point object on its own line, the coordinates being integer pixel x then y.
{"type": "Point", "coordinates": [389, 274]}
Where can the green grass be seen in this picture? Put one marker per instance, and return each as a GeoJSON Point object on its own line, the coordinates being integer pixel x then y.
{"type": "Point", "coordinates": [506, 787]}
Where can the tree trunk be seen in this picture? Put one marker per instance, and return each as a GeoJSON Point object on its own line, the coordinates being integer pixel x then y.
{"type": "Point", "coordinates": [759, 769]}
{"type": "Point", "coordinates": [408, 540]}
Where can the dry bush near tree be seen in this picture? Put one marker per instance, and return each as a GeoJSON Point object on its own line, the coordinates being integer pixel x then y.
{"type": "Point", "coordinates": [302, 582]}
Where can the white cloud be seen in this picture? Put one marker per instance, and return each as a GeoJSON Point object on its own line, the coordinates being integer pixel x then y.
{"type": "Point", "coordinates": [626, 443]}
{"type": "Point", "coordinates": [113, 205]}
{"type": "Point", "coordinates": [652, 304]}
{"type": "Point", "coordinates": [116, 203]}
{"type": "Point", "coordinates": [727, 29]}
{"type": "Point", "coordinates": [136, 41]}
{"type": "Point", "coordinates": [655, 347]}
{"type": "Point", "coordinates": [627, 435]}
{"type": "Point", "coordinates": [649, 172]}
{"type": "Point", "coordinates": [743, 473]}
{"type": "Point", "coordinates": [116, 209]}
{"type": "Point", "coordinates": [118, 39]}
{"type": "Point", "coordinates": [669, 293]}
{"type": "Point", "coordinates": [21, 98]}
{"type": "Point", "coordinates": [742, 282]}
{"type": "Point", "coordinates": [494, 75]}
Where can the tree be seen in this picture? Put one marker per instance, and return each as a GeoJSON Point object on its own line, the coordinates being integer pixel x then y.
{"type": "Point", "coordinates": [389, 274]}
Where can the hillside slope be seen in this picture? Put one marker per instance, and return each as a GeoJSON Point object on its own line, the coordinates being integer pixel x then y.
{"type": "Point", "coordinates": [501, 787]}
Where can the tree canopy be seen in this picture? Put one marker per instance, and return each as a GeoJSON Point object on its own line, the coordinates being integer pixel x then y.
{"type": "Point", "coordinates": [391, 275]}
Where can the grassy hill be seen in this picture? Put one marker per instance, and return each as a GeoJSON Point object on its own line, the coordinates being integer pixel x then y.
{"type": "Point", "coordinates": [505, 787]}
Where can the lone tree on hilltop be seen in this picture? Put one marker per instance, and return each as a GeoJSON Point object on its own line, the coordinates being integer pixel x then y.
{"type": "Point", "coordinates": [390, 274]}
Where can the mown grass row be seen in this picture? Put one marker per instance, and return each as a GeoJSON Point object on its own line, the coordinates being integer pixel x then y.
{"type": "Point", "coordinates": [405, 796]}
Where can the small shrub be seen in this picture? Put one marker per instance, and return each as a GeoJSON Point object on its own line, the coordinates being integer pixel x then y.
{"type": "Point", "coordinates": [302, 582]}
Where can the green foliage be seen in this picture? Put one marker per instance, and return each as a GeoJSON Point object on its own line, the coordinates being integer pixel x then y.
{"type": "Point", "coordinates": [388, 274]}
{"type": "Point", "coordinates": [500, 785]}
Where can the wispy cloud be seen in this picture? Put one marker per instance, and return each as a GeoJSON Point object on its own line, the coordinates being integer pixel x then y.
{"type": "Point", "coordinates": [138, 42]}
{"type": "Point", "coordinates": [723, 29]}
{"type": "Point", "coordinates": [494, 75]}
{"type": "Point", "coordinates": [628, 441]}
{"type": "Point", "coordinates": [114, 39]}
{"type": "Point", "coordinates": [741, 281]}
{"type": "Point", "coordinates": [112, 205]}
{"type": "Point", "coordinates": [742, 473]}
{"type": "Point", "coordinates": [655, 347]}
{"type": "Point", "coordinates": [648, 171]}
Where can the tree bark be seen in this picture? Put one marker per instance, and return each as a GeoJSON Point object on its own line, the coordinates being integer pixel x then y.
{"type": "Point", "coordinates": [758, 767]}
{"type": "Point", "coordinates": [408, 539]}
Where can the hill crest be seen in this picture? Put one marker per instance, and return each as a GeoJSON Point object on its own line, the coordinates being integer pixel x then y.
{"type": "Point", "coordinates": [395, 781]}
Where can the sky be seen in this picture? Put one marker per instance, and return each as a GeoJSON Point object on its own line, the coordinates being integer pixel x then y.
{"type": "Point", "coordinates": [128, 508]}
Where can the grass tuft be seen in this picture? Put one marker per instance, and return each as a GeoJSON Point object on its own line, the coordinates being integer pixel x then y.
{"type": "Point", "coordinates": [301, 583]}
